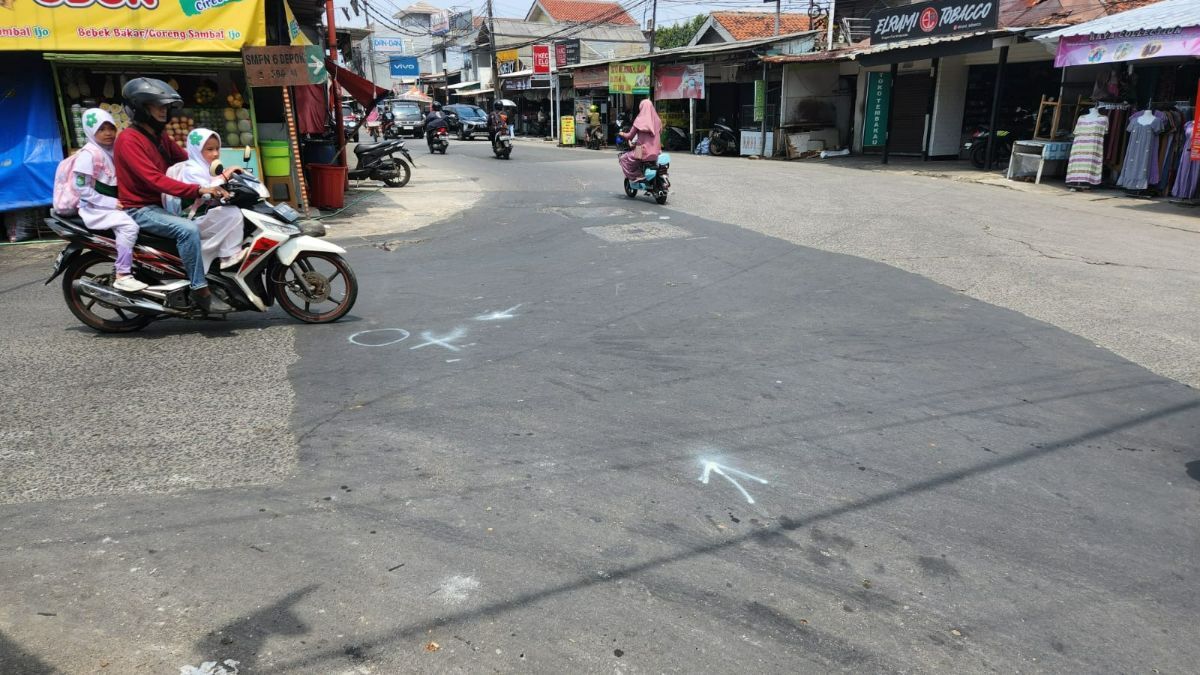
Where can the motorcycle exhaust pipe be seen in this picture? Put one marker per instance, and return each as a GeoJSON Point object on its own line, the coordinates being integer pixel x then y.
{"type": "Point", "coordinates": [110, 296]}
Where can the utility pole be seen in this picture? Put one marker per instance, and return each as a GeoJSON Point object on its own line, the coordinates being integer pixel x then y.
{"type": "Point", "coordinates": [335, 89]}
{"type": "Point", "coordinates": [445, 69]}
{"type": "Point", "coordinates": [653, 24]}
{"type": "Point", "coordinates": [492, 44]}
{"type": "Point", "coordinates": [777, 4]}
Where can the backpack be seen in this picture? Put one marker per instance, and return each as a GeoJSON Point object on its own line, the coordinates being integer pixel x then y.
{"type": "Point", "coordinates": [66, 192]}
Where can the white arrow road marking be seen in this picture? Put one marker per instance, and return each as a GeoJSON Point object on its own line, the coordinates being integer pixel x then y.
{"type": "Point", "coordinates": [498, 316]}
{"type": "Point", "coordinates": [443, 341]}
{"type": "Point", "coordinates": [713, 467]}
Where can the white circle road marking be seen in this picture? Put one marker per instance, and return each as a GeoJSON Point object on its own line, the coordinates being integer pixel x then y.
{"type": "Point", "coordinates": [403, 336]}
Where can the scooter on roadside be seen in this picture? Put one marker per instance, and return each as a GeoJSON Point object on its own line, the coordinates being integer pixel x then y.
{"type": "Point", "coordinates": [502, 145]}
{"type": "Point", "coordinates": [722, 140]}
{"type": "Point", "coordinates": [308, 276]}
{"type": "Point", "coordinates": [438, 139]}
{"type": "Point", "coordinates": [378, 161]}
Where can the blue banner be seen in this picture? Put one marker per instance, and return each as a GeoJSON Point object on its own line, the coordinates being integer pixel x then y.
{"type": "Point", "coordinates": [404, 66]}
{"type": "Point", "coordinates": [30, 145]}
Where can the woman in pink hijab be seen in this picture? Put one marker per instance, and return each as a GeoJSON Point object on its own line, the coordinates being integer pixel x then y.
{"type": "Point", "coordinates": [646, 138]}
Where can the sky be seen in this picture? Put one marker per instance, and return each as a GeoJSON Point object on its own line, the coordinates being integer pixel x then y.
{"type": "Point", "coordinates": [669, 11]}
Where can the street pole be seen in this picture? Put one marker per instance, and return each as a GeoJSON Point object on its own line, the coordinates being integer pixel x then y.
{"type": "Point", "coordinates": [777, 10]}
{"type": "Point", "coordinates": [763, 128]}
{"type": "Point", "coordinates": [653, 23]}
{"type": "Point", "coordinates": [335, 94]}
{"type": "Point", "coordinates": [829, 38]}
{"type": "Point", "coordinates": [445, 70]}
{"type": "Point", "coordinates": [492, 46]}
{"type": "Point", "coordinates": [691, 124]}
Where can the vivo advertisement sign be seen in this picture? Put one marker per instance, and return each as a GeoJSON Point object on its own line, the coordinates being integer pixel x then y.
{"type": "Point", "coordinates": [938, 17]}
{"type": "Point", "coordinates": [404, 66]}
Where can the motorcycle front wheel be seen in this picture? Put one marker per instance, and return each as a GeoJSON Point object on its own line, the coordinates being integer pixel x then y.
{"type": "Point", "coordinates": [93, 313]}
{"type": "Point", "coordinates": [313, 281]}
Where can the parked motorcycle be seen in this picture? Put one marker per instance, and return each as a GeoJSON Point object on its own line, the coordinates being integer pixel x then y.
{"type": "Point", "coordinates": [439, 140]}
{"type": "Point", "coordinates": [308, 276]}
{"type": "Point", "coordinates": [722, 140]}
{"type": "Point", "coordinates": [677, 139]}
{"type": "Point", "coordinates": [1002, 145]}
{"type": "Point", "coordinates": [655, 182]}
{"type": "Point", "coordinates": [502, 145]}
{"type": "Point", "coordinates": [377, 161]}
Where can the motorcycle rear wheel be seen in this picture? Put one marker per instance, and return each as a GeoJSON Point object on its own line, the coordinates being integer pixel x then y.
{"type": "Point", "coordinates": [401, 176]}
{"type": "Point", "coordinates": [629, 192]}
{"type": "Point", "coordinates": [314, 268]}
{"type": "Point", "coordinates": [98, 268]}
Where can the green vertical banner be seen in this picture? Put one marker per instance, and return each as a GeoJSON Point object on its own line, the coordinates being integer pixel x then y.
{"type": "Point", "coordinates": [879, 91]}
{"type": "Point", "coordinates": [760, 99]}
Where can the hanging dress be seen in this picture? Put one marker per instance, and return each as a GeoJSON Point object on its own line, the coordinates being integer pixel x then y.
{"type": "Point", "coordinates": [1189, 169]}
{"type": "Point", "coordinates": [1141, 152]}
{"type": "Point", "coordinates": [1086, 164]}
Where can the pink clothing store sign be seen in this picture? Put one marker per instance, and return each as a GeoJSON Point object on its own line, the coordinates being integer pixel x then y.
{"type": "Point", "coordinates": [1080, 50]}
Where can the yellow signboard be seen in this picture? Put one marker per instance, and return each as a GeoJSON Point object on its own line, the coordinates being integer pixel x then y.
{"type": "Point", "coordinates": [506, 55]}
{"type": "Point", "coordinates": [131, 25]}
{"type": "Point", "coordinates": [632, 77]}
{"type": "Point", "coordinates": [567, 124]}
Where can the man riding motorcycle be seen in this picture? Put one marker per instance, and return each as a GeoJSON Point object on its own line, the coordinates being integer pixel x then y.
{"type": "Point", "coordinates": [142, 156]}
{"type": "Point", "coordinates": [595, 132]}
{"type": "Point", "coordinates": [496, 121]}
{"type": "Point", "coordinates": [436, 119]}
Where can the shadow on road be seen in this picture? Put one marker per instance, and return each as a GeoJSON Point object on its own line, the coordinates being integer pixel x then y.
{"type": "Point", "coordinates": [14, 659]}
{"type": "Point", "coordinates": [243, 639]}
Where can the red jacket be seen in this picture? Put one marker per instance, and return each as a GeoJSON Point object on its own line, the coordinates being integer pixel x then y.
{"type": "Point", "coordinates": [142, 170]}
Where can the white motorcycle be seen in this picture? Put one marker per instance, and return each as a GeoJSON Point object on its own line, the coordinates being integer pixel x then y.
{"type": "Point", "coordinates": [308, 276]}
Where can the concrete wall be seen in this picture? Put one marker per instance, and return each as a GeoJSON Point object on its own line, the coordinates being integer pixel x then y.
{"type": "Point", "coordinates": [811, 95]}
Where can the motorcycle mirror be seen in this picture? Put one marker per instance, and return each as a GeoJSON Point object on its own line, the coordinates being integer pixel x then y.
{"type": "Point", "coordinates": [216, 169]}
{"type": "Point", "coordinates": [246, 154]}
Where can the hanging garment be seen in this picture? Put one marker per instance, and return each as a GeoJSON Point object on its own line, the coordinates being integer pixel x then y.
{"type": "Point", "coordinates": [1189, 169]}
{"type": "Point", "coordinates": [1086, 164]}
{"type": "Point", "coordinates": [1141, 153]}
{"type": "Point", "coordinates": [1114, 142]}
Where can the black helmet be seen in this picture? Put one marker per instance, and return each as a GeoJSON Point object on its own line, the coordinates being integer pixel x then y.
{"type": "Point", "coordinates": [143, 90]}
{"type": "Point", "coordinates": [436, 105]}
{"type": "Point", "coordinates": [497, 106]}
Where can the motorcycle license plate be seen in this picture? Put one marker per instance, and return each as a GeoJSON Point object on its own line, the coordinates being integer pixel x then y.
{"type": "Point", "coordinates": [502, 138]}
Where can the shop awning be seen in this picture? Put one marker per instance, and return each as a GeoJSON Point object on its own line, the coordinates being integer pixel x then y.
{"type": "Point", "coordinates": [933, 47]}
{"type": "Point", "coordinates": [463, 85]}
{"type": "Point", "coordinates": [363, 90]}
{"type": "Point", "coordinates": [1170, 28]}
{"type": "Point", "coordinates": [473, 92]}
{"type": "Point", "coordinates": [146, 62]}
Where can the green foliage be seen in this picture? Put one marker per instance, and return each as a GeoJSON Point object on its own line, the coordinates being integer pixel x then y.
{"type": "Point", "coordinates": [678, 35]}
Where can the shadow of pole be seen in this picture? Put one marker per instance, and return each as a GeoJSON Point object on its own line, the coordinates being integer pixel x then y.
{"type": "Point", "coordinates": [243, 639]}
{"type": "Point", "coordinates": [785, 524]}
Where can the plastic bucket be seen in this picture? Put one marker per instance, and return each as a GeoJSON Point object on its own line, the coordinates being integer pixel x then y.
{"type": "Point", "coordinates": [319, 152]}
{"type": "Point", "coordinates": [328, 183]}
{"type": "Point", "coordinates": [277, 159]}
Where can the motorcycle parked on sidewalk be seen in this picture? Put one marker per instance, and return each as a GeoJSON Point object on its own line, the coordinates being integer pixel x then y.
{"type": "Point", "coordinates": [308, 276]}
{"type": "Point", "coordinates": [1002, 144]}
{"type": "Point", "coordinates": [377, 161]}
{"type": "Point", "coordinates": [439, 140]}
{"type": "Point", "coordinates": [502, 145]}
{"type": "Point", "coordinates": [676, 139]}
{"type": "Point", "coordinates": [655, 181]}
{"type": "Point", "coordinates": [722, 140]}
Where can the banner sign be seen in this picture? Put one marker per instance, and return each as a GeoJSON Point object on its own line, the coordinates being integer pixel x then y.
{"type": "Point", "coordinates": [391, 45]}
{"type": "Point", "coordinates": [760, 99]}
{"type": "Point", "coordinates": [131, 25]}
{"type": "Point", "coordinates": [404, 66]}
{"type": "Point", "coordinates": [674, 82]}
{"type": "Point", "coordinates": [541, 59]}
{"type": "Point", "coordinates": [284, 66]}
{"type": "Point", "coordinates": [439, 23]}
{"type": "Point", "coordinates": [879, 91]}
{"type": "Point", "coordinates": [936, 17]}
{"type": "Point", "coordinates": [566, 52]}
{"type": "Point", "coordinates": [591, 78]}
{"type": "Point", "coordinates": [462, 22]}
{"type": "Point", "coordinates": [632, 77]}
{"type": "Point", "coordinates": [567, 128]}
{"type": "Point", "coordinates": [516, 84]}
{"type": "Point", "coordinates": [1081, 50]}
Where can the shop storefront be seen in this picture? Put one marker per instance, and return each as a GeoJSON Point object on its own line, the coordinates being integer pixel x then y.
{"type": "Point", "coordinates": [1136, 78]}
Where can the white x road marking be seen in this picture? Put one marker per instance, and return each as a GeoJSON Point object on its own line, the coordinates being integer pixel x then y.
{"type": "Point", "coordinates": [713, 467]}
{"type": "Point", "coordinates": [498, 316]}
{"type": "Point", "coordinates": [443, 341]}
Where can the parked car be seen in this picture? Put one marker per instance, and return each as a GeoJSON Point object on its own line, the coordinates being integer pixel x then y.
{"type": "Point", "coordinates": [466, 120]}
{"type": "Point", "coordinates": [409, 119]}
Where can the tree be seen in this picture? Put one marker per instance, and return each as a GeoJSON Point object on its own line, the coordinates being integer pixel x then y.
{"type": "Point", "coordinates": [679, 34]}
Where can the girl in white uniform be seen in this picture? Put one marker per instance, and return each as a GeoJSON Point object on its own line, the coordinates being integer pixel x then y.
{"type": "Point", "coordinates": [221, 231]}
{"type": "Point", "coordinates": [96, 180]}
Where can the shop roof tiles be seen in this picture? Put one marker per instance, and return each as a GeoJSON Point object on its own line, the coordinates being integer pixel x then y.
{"type": "Point", "coordinates": [582, 11]}
{"type": "Point", "coordinates": [1033, 13]}
{"type": "Point", "coordinates": [752, 25]}
{"type": "Point", "coordinates": [1165, 14]}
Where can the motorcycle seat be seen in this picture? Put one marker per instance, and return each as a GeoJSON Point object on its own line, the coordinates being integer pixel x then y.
{"type": "Point", "coordinates": [164, 244]}
{"type": "Point", "coordinates": [363, 148]}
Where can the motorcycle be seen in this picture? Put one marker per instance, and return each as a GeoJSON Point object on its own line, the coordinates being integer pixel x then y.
{"type": "Point", "coordinates": [281, 264]}
{"type": "Point", "coordinates": [655, 182]}
{"type": "Point", "coordinates": [502, 145]}
{"type": "Point", "coordinates": [377, 161]}
{"type": "Point", "coordinates": [722, 140]}
{"type": "Point", "coordinates": [1002, 144]}
{"type": "Point", "coordinates": [595, 137]}
{"type": "Point", "coordinates": [676, 139]}
{"type": "Point", "coordinates": [439, 140]}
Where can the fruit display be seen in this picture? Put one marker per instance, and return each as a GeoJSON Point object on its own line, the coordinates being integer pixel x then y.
{"type": "Point", "coordinates": [235, 100]}
{"type": "Point", "coordinates": [205, 95]}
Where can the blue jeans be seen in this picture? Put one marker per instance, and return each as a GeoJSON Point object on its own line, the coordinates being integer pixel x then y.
{"type": "Point", "coordinates": [156, 221]}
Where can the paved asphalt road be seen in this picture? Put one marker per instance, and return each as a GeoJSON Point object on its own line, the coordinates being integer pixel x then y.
{"type": "Point", "coordinates": [498, 462]}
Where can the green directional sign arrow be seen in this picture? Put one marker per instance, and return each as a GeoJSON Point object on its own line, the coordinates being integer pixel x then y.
{"type": "Point", "coordinates": [314, 60]}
